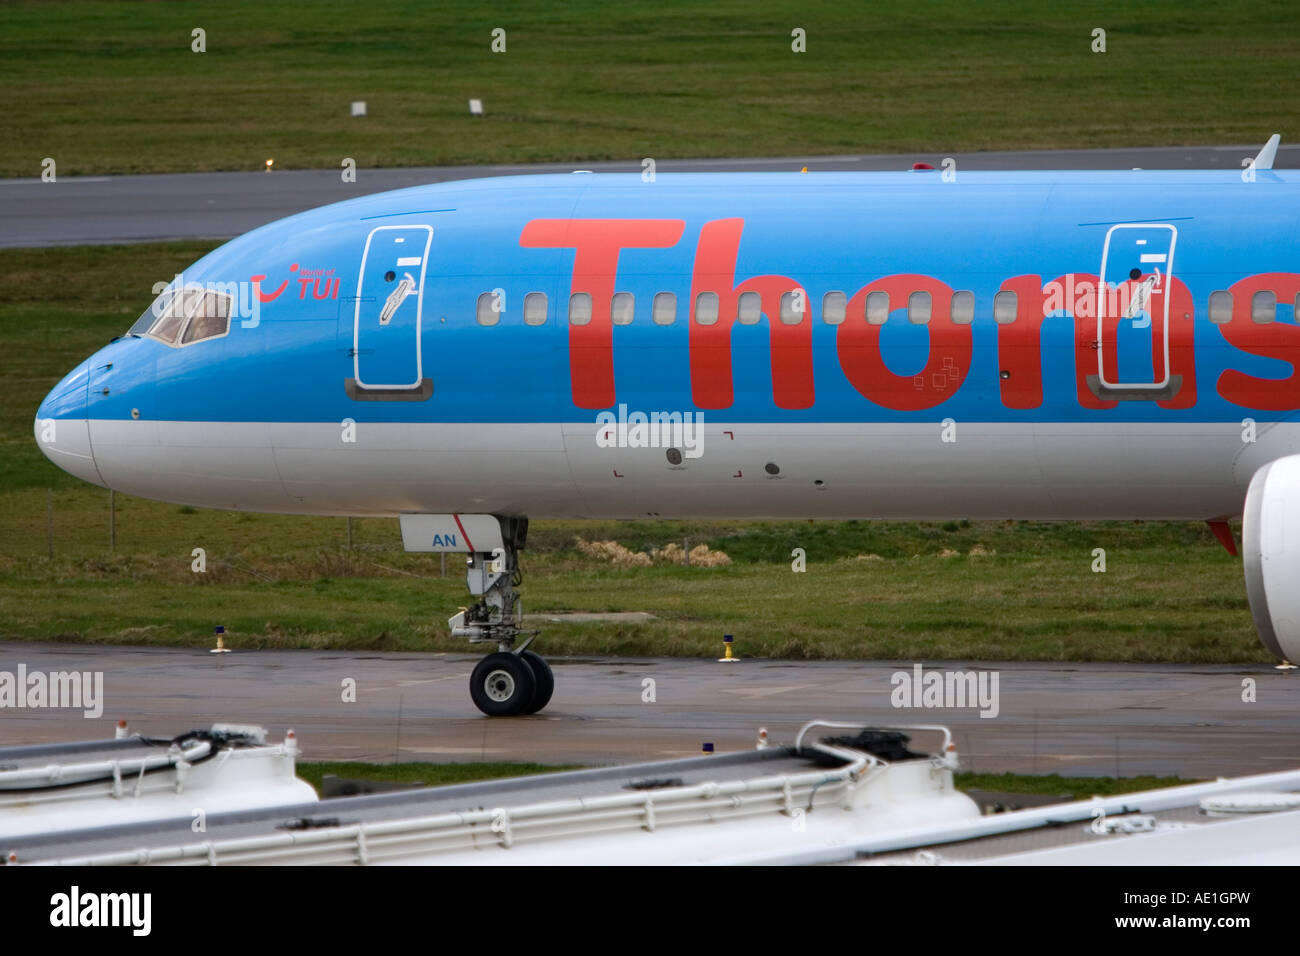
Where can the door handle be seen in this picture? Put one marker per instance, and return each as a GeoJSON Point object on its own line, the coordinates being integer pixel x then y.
{"type": "Point", "coordinates": [396, 298]}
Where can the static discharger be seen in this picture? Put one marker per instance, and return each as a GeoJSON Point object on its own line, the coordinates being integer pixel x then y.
{"type": "Point", "coordinates": [221, 648]}
{"type": "Point", "coordinates": [726, 643]}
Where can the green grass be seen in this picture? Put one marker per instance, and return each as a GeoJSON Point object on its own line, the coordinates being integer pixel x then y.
{"type": "Point", "coordinates": [1053, 785]}
{"type": "Point", "coordinates": [443, 774]}
{"type": "Point", "coordinates": [428, 774]}
{"type": "Point", "coordinates": [1170, 592]}
{"type": "Point", "coordinates": [114, 87]}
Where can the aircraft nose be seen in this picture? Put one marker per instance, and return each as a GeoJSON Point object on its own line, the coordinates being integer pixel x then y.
{"type": "Point", "coordinates": [61, 428]}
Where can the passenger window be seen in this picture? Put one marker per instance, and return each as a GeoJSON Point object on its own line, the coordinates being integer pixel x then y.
{"type": "Point", "coordinates": [793, 306]}
{"type": "Point", "coordinates": [751, 308]}
{"type": "Point", "coordinates": [706, 308]}
{"type": "Point", "coordinates": [1263, 306]}
{"type": "Point", "coordinates": [665, 308]}
{"type": "Point", "coordinates": [620, 308]}
{"type": "Point", "coordinates": [963, 308]}
{"type": "Point", "coordinates": [210, 320]}
{"type": "Point", "coordinates": [1005, 306]}
{"type": "Point", "coordinates": [1220, 307]}
{"type": "Point", "coordinates": [535, 308]}
{"type": "Point", "coordinates": [834, 305]}
{"type": "Point", "coordinates": [490, 308]}
{"type": "Point", "coordinates": [877, 307]}
{"type": "Point", "coordinates": [918, 308]}
{"type": "Point", "coordinates": [580, 308]}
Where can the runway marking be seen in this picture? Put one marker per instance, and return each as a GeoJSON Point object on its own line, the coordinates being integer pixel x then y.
{"type": "Point", "coordinates": [455, 750]}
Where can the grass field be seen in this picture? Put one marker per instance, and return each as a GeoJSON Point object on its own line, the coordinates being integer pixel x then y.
{"type": "Point", "coordinates": [426, 774]}
{"type": "Point", "coordinates": [114, 87]}
{"type": "Point", "coordinates": [872, 590]}
{"type": "Point", "coordinates": [441, 774]}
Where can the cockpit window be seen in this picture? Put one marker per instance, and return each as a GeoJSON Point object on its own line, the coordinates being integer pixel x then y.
{"type": "Point", "coordinates": [152, 314]}
{"type": "Point", "coordinates": [210, 319]}
{"type": "Point", "coordinates": [185, 316]}
{"type": "Point", "coordinates": [172, 321]}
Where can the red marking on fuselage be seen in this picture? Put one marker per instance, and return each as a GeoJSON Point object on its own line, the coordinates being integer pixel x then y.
{"type": "Point", "coordinates": [597, 243]}
{"type": "Point", "coordinates": [1073, 297]}
{"type": "Point", "coordinates": [1271, 339]}
{"type": "Point", "coordinates": [263, 296]}
{"type": "Point", "coordinates": [1075, 293]}
{"type": "Point", "coordinates": [790, 345]}
{"type": "Point", "coordinates": [858, 345]}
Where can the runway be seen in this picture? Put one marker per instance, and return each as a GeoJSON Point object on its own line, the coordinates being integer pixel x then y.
{"type": "Point", "coordinates": [1081, 719]}
{"type": "Point", "coordinates": [112, 209]}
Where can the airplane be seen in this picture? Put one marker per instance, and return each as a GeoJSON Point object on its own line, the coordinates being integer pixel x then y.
{"type": "Point", "coordinates": [922, 344]}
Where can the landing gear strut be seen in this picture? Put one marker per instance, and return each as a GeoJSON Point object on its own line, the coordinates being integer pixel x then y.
{"type": "Point", "coordinates": [514, 680]}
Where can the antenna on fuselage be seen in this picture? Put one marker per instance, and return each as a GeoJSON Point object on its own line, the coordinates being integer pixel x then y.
{"type": "Point", "coordinates": [1269, 153]}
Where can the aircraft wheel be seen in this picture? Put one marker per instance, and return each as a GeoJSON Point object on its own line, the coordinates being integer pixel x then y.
{"type": "Point", "coordinates": [503, 685]}
{"type": "Point", "coordinates": [545, 681]}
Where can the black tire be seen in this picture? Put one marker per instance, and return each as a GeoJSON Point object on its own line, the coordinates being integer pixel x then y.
{"type": "Point", "coordinates": [503, 685]}
{"type": "Point", "coordinates": [545, 681]}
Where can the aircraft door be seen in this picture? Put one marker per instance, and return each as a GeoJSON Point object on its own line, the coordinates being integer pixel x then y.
{"type": "Point", "coordinates": [389, 314]}
{"type": "Point", "coordinates": [1137, 263]}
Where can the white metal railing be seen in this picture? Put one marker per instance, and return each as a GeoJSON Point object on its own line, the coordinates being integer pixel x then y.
{"type": "Point", "coordinates": [91, 771]}
{"type": "Point", "coordinates": [506, 827]}
{"type": "Point", "coordinates": [944, 748]}
{"type": "Point", "coordinates": [1148, 801]}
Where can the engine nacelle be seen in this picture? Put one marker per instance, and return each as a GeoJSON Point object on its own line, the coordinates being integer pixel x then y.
{"type": "Point", "coordinates": [1270, 539]}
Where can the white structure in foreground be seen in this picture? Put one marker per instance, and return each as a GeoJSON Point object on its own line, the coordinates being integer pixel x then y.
{"type": "Point", "coordinates": [861, 798]}
{"type": "Point", "coordinates": [57, 788]}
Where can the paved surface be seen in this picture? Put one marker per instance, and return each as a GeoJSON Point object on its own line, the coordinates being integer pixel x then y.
{"type": "Point", "coordinates": [1086, 719]}
{"type": "Point", "coordinates": [105, 209]}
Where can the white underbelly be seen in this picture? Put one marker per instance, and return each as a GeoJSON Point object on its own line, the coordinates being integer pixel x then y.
{"type": "Point", "coordinates": [1045, 471]}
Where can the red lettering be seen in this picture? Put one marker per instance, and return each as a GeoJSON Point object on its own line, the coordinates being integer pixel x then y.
{"type": "Point", "coordinates": [858, 345]}
{"type": "Point", "coordinates": [1182, 340]}
{"type": "Point", "coordinates": [595, 263]}
{"type": "Point", "coordinates": [1020, 342]}
{"type": "Point", "coordinates": [1270, 339]}
{"type": "Point", "coordinates": [789, 346]}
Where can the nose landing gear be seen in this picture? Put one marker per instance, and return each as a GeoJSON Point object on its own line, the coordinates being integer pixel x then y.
{"type": "Point", "coordinates": [514, 680]}
{"type": "Point", "coordinates": [506, 684]}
